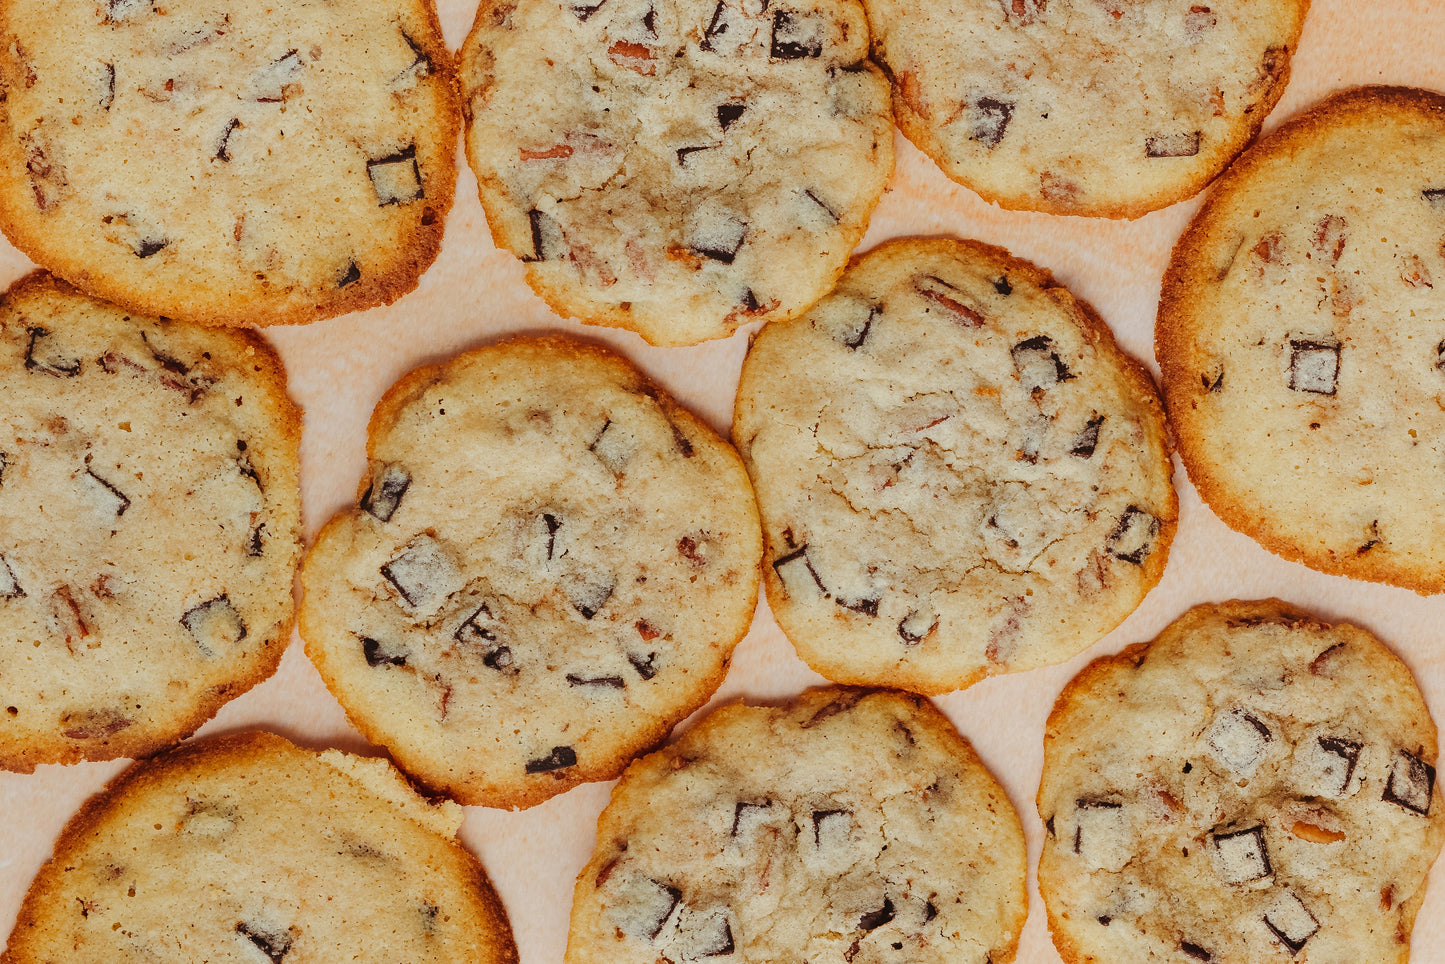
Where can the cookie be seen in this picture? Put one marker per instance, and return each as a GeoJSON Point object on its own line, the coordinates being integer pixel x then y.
{"type": "Point", "coordinates": [149, 524]}
{"type": "Point", "coordinates": [848, 827]}
{"type": "Point", "coordinates": [676, 167]}
{"type": "Point", "coordinates": [548, 567]}
{"type": "Point", "coordinates": [1254, 785]}
{"type": "Point", "coordinates": [1107, 108]}
{"type": "Point", "coordinates": [228, 162]}
{"type": "Point", "coordinates": [959, 472]}
{"type": "Point", "coordinates": [248, 848]}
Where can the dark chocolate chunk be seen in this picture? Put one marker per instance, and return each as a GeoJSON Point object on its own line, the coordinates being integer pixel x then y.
{"type": "Point", "coordinates": [223, 146]}
{"type": "Point", "coordinates": [478, 628]}
{"type": "Point", "coordinates": [274, 943]}
{"type": "Point", "coordinates": [585, 10]}
{"type": "Point", "coordinates": [214, 622]}
{"type": "Point", "coordinates": [560, 758]}
{"type": "Point", "coordinates": [727, 114]}
{"type": "Point", "coordinates": [421, 571]}
{"type": "Point", "coordinates": [1087, 440]}
{"type": "Point", "coordinates": [718, 240]}
{"type": "Point", "coordinates": [378, 653]}
{"type": "Point", "coordinates": [657, 901]}
{"type": "Point", "coordinates": [421, 63]}
{"type": "Point", "coordinates": [790, 567]}
{"type": "Point", "coordinates": [1133, 538]}
{"type": "Point", "coordinates": [1314, 366]}
{"type": "Point", "coordinates": [748, 815]}
{"type": "Point", "coordinates": [717, 26]}
{"type": "Point", "coordinates": [269, 83]}
{"type": "Point", "coordinates": [875, 919]}
{"type": "Point", "coordinates": [396, 177]}
{"type": "Point", "coordinates": [383, 496]}
{"type": "Point", "coordinates": [646, 666]}
{"type": "Point", "coordinates": [1440, 357]}
{"type": "Point", "coordinates": [843, 703]}
{"type": "Point", "coordinates": [548, 242]}
{"type": "Point", "coordinates": [108, 98]}
{"type": "Point", "coordinates": [1195, 951]}
{"type": "Point", "coordinates": [712, 937]}
{"type": "Point", "coordinates": [255, 546]}
{"type": "Point", "coordinates": [1291, 921]}
{"type": "Point", "coordinates": [795, 36]}
{"type": "Point", "coordinates": [10, 587]}
{"type": "Point", "coordinates": [1002, 286]}
{"type": "Point", "coordinates": [950, 299]}
{"type": "Point", "coordinates": [589, 593]}
{"type": "Point", "coordinates": [350, 276]}
{"type": "Point", "coordinates": [146, 247]}
{"type": "Point", "coordinates": [1098, 825]}
{"type": "Point", "coordinates": [915, 627]}
{"type": "Point", "coordinates": [1172, 145]}
{"type": "Point", "coordinates": [683, 443]}
{"type": "Point", "coordinates": [1239, 738]}
{"type": "Point", "coordinates": [93, 724]}
{"type": "Point", "coordinates": [828, 825]}
{"type": "Point", "coordinates": [1436, 197]}
{"type": "Point", "coordinates": [609, 682]}
{"type": "Point", "coordinates": [854, 339]}
{"type": "Point", "coordinates": [867, 607]}
{"type": "Point", "coordinates": [827, 209]}
{"type": "Point", "coordinates": [107, 495]}
{"type": "Point", "coordinates": [553, 524]}
{"type": "Point", "coordinates": [4, 461]}
{"type": "Point", "coordinates": [244, 466]}
{"type": "Point", "coordinates": [1038, 364]}
{"type": "Point", "coordinates": [1411, 783]}
{"type": "Point", "coordinates": [929, 911]}
{"type": "Point", "coordinates": [684, 152]}
{"type": "Point", "coordinates": [649, 22]}
{"type": "Point", "coordinates": [750, 302]}
{"type": "Point", "coordinates": [118, 10]}
{"type": "Point", "coordinates": [41, 356]}
{"type": "Point", "coordinates": [989, 119]}
{"type": "Point", "coordinates": [1214, 384]}
{"type": "Point", "coordinates": [1242, 856]}
{"type": "Point", "coordinates": [1349, 753]}
{"type": "Point", "coordinates": [500, 659]}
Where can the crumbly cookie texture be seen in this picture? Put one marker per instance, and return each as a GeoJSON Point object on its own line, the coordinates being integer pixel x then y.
{"type": "Point", "coordinates": [228, 163]}
{"type": "Point", "coordinates": [848, 827]}
{"type": "Point", "coordinates": [1254, 785]}
{"type": "Point", "coordinates": [691, 165]}
{"type": "Point", "coordinates": [149, 524]}
{"type": "Point", "coordinates": [1108, 108]}
{"type": "Point", "coordinates": [549, 567]}
{"type": "Point", "coordinates": [1302, 346]}
{"type": "Point", "coordinates": [959, 472]}
{"type": "Point", "coordinates": [249, 849]}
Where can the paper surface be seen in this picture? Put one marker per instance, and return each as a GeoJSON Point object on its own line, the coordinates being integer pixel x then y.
{"type": "Point", "coordinates": [475, 295]}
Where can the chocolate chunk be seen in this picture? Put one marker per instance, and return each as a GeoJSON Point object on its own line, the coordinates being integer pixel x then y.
{"type": "Point", "coordinates": [10, 587]}
{"type": "Point", "coordinates": [147, 247]}
{"type": "Point", "coordinates": [4, 461]}
{"type": "Point", "coordinates": [718, 237]}
{"type": "Point", "coordinates": [1435, 196]}
{"type": "Point", "coordinates": [652, 903]}
{"type": "Point", "coordinates": [826, 208]}
{"type": "Point", "coordinates": [108, 97]}
{"type": "Point", "coordinates": [875, 919]}
{"type": "Point", "coordinates": [608, 682]}
{"type": "Point", "coordinates": [272, 941]}
{"type": "Point", "coordinates": [552, 524]}
{"type": "Point", "coordinates": [383, 496]}
{"type": "Point", "coordinates": [791, 569]}
{"type": "Point", "coordinates": [589, 593]}
{"type": "Point", "coordinates": [747, 817]}
{"type": "Point", "coordinates": [584, 10]}
{"type": "Point", "coordinates": [255, 546]}
{"type": "Point", "coordinates": [988, 120]}
{"type": "Point", "coordinates": [682, 442]}
{"type": "Point", "coordinates": [41, 355]}
{"type": "Point", "coordinates": [500, 659]}
{"type": "Point", "coordinates": [727, 114]}
{"type": "Point", "coordinates": [93, 724]}
{"type": "Point", "coordinates": [751, 304]}
{"type": "Point", "coordinates": [1038, 364]}
{"type": "Point", "coordinates": [1195, 951]}
{"type": "Point", "coordinates": [478, 629]}
{"type": "Point", "coordinates": [1172, 145]}
{"type": "Point", "coordinates": [915, 627]}
{"type": "Point", "coordinates": [1239, 739]}
{"type": "Point", "coordinates": [350, 276]}
{"type": "Point", "coordinates": [613, 446]}
{"type": "Point", "coordinates": [831, 828]}
{"type": "Point", "coordinates": [1290, 921]}
{"type": "Point", "coordinates": [244, 466]}
{"type": "Point", "coordinates": [1241, 856]}
{"type": "Point", "coordinates": [866, 606]}
{"type": "Point", "coordinates": [687, 547]}
{"type": "Point", "coordinates": [950, 299]}
{"type": "Point", "coordinates": [843, 703]}
{"type": "Point", "coordinates": [214, 624]}
{"type": "Point", "coordinates": [1133, 538]}
{"type": "Point", "coordinates": [223, 146]}
{"type": "Point", "coordinates": [420, 65]}
{"type": "Point", "coordinates": [1087, 440]}
{"type": "Point", "coordinates": [715, 36]}
{"type": "Point", "coordinates": [1101, 833]}
{"type": "Point", "coordinates": [710, 936]}
{"type": "Point", "coordinates": [795, 36]}
{"type": "Point", "coordinates": [396, 177]}
{"type": "Point", "coordinates": [1314, 366]}
{"type": "Point", "coordinates": [1002, 286]}
{"type": "Point", "coordinates": [548, 242]}
{"type": "Point", "coordinates": [1411, 783]}
{"type": "Point", "coordinates": [422, 572]}
{"type": "Point", "coordinates": [118, 10]}
{"type": "Point", "coordinates": [683, 153]}
{"type": "Point", "coordinates": [646, 666]}
{"type": "Point", "coordinates": [105, 496]}
{"type": "Point", "coordinates": [560, 758]}
{"type": "Point", "coordinates": [378, 653]}
{"type": "Point", "coordinates": [1336, 774]}
{"type": "Point", "coordinates": [855, 337]}
{"type": "Point", "coordinates": [268, 85]}
{"type": "Point", "coordinates": [929, 911]}
{"type": "Point", "coordinates": [1213, 384]}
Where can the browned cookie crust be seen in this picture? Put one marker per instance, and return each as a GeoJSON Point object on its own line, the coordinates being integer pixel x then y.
{"type": "Point", "coordinates": [228, 163]}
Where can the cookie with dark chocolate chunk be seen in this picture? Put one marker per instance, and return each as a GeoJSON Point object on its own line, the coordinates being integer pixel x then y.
{"type": "Point", "coordinates": [676, 167]}
{"type": "Point", "coordinates": [1108, 108]}
{"type": "Point", "coordinates": [228, 163]}
{"type": "Point", "coordinates": [959, 472]}
{"type": "Point", "coordinates": [149, 524]}
{"type": "Point", "coordinates": [1300, 338]}
{"type": "Point", "coordinates": [1253, 785]}
{"type": "Point", "coordinates": [548, 567]}
{"type": "Point", "coordinates": [844, 826]}
{"type": "Point", "coordinates": [249, 848]}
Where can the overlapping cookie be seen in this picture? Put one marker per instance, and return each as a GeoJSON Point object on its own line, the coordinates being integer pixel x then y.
{"type": "Point", "coordinates": [959, 473]}
{"type": "Point", "coordinates": [225, 162]}
{"type": "Point", "coordinates": [1110, 108]}
{"type": "Point", "coordinates": [149, 516]}
{"type": "Point", "coordinates": [1302, 345]}
{"type": "Point", "coordinates": [676, 167]}
{"type": "Point", "coordinates": [1254, 785]}
{"type": "Point", "coordinates": [247, 848]}
{"type": "Point", "coordinates": [849, 827]}
{"type": "Point", "coordinates": [549, 566]}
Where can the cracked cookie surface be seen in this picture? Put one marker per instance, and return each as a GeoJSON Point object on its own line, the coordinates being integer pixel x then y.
{"type": "Point", "coordinates": [228, 163]}
{"type": "Point", "coordinates": [959, 473]}
{"type": "Point", "coordinates": [1253, 786]}
{"type": "Point", "coordinates": [548, 568]}
{"type": "Point", "coordinates": [847, 826]}
{"type": "Point", "coordinates": [149, 524]}
{"type": "Point", "coordinates": [695, 165]}
{"type": "Point", "coordinates": [1302, 346]}
{"type": "Point", "coordinates": [247, 849]}
{"type": "Point", "coordinates": [1110, 108]}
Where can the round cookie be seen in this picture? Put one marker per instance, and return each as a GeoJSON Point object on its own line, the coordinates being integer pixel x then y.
{"type": "Point", "coordinates": [1253, 786]}
{"type": "Point", "coordinates": [848, 827]}
{"type": "Point", "coordinates": [548, 568]}
{"type": "Point", "coordinates": [1108, 108]}
{"type": "Point", "coordinates": [228, 164]}
{"type": "Point", "coordinates": [959, 472]}
{"type": "Point", "coordinates": [149, 525]}
{"type": "Point", "coordinates": [689, 165]}
{"type": "Point", "coordinates": [247, 848]}
{"type": "Point", "coordinates": [1301, 341]}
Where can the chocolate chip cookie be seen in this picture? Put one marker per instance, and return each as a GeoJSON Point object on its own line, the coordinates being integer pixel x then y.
{"type": "Point", "coordinates": [549, 566]}
{"type": "Point", "coordinates": [1302, 345]}
{"type": "Point", "coordinates": [149, 516]}
{"type": "Point", "coordinates": [848, 827]}
{"type": "Point", "coordinates": [959, 472]}
{"type": "Point", "coordinates": [247, 848]}
{"type": "Point", "coordinates": [224, 162]}
{"type": "Point", "coordinates": [1253, 785]}
{"type": "Point", "coordinates": [676, 167]}
{"type": "Point", "coordinates": [1109, 108]}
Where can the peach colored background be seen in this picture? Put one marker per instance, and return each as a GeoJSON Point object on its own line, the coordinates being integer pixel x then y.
{"type": "Point", "coordinates": [475, 295]}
